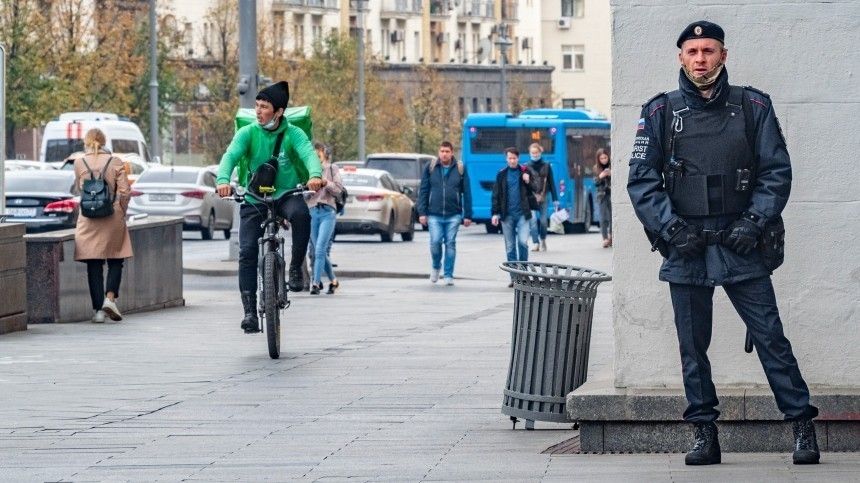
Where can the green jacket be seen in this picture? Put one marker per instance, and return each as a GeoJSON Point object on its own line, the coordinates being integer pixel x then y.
{"type": "Point", "coordinates": [252, 146]}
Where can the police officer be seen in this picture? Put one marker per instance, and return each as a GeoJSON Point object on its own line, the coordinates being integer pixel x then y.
{"type": "Point", "coordinates": [709, 178]}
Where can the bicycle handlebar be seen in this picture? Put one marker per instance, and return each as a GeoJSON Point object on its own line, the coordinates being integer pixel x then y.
{"type": "Point", "coordinates": [299, 189]}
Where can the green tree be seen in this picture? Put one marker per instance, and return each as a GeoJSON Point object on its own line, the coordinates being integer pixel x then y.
{"type": "Point", "coordinates": [28, 86]}
{"type": "Point", "coordinates": [431, 111]}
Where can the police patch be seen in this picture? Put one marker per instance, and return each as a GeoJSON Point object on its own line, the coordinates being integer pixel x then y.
{"type": "Point", "coordinates": [641, 125]}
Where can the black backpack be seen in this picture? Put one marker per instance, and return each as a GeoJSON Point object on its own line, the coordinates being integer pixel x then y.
{"type": "Point", "coordinates": [339, 200]}
{"type": "Point", "coordinates": [96, 198]}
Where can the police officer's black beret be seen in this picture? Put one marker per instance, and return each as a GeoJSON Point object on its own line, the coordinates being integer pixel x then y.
{"type": "Point", "coordinates": [702, 29]}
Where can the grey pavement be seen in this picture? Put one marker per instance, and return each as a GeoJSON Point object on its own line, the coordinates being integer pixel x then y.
{"type": "Point", "coordinates": [390, 379]}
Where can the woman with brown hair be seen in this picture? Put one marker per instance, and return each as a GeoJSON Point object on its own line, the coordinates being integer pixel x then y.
{"type": "Point", "coordinates": [603, 183]}
{"type": "Point", "coordinates": [103, 238]}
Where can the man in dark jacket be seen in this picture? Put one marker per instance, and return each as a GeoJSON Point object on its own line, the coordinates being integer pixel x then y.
{"type": "Point", "coordinates": [512, 204]}
{"type": "Point", "coordinates": [709, 177]}
{"type": "Point", "coordinates": [444, 200]}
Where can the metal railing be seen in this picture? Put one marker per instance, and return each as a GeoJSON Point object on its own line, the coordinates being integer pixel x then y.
{"type": "Point", "coordinates": [476, 8]}
{"type": "Point", "coordinates": [401, 6]}
{"type": "Point", "coordinates": [440, 7]}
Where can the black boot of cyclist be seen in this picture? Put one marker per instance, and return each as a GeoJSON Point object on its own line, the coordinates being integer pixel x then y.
{"type": "Point", "coordinates": [250, 324]}
{"type": "Point", "coordinates": [706, 450]}
{"type": "Point", "coordinates": [296, 282]}
{"type": "Point", "coordinates": [805, 444]}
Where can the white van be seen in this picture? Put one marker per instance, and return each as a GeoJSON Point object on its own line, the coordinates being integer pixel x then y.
{"type": "Point", "coordinates": [65, 135]}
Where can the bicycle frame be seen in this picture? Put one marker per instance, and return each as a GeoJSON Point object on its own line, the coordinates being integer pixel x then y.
{"type": "Point", "coordinates": [271, 241]}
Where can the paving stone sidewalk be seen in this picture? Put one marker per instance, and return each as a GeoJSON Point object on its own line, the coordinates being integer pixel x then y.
{"type": "Point", "coordinates": [389, 380]}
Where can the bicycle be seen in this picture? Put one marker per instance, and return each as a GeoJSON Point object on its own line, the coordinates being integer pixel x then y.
{"type": "Point", "coordinates": [271, 268]}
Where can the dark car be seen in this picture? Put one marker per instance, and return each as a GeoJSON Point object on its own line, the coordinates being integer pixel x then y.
{"type": "Point", "coordinates": [405, 168]}
{"type": "Point", "coordinates": [41, 199]}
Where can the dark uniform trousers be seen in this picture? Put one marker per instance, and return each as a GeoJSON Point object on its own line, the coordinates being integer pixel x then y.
{"type": "Point", "coordinates": [755, 302]}
{"type": "Point", "coordinates": [293, 209]}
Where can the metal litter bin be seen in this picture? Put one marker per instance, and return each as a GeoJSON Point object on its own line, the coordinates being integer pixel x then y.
{"type": "Point", "coordinates": [553, 310]}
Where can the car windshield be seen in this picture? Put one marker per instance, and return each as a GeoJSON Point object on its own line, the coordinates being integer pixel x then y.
{"type": "Point", "coordinates": [399, 168]}
{"type": "Point", "coordinates": [168, 176]}
{"type": "Point", "coordinates": [351, 179]}
{"type": "Point", "coordinates": [38, 182]}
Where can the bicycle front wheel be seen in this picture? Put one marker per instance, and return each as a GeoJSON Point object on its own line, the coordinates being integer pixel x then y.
{"type": "Point", "coordinates": [271, 267]}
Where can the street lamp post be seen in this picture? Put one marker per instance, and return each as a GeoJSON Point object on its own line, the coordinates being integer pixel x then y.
{"type": "Point", "coordinates": [2, 131]}
{"type": "Point", "coordinates": [360, 54]}
{"type": "Point", "coordinates": [153, 82]}
{"type": "Point", "coordinates": [503, 42]}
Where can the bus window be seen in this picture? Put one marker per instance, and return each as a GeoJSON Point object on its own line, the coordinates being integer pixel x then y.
{"type": "Point", "coordinates": [494, 140]}
{"type": "Point", "coordinates": [582, 144]}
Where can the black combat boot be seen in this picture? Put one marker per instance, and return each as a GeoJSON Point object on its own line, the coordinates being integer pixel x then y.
{"type": "Point", "coordinates": [706, 450]}
{"type": "Point", "coordinates": [250, 324]}
{"type": "Point", "coordinates": [805, 445]}
{"type": "Point", "coordinates": [296, 283]}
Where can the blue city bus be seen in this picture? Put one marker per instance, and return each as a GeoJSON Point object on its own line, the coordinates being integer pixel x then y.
{"type": "Point", "coordinates": [570, 138]}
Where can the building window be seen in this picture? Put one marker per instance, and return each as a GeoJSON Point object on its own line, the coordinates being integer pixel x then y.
{"type": "Point", "coordinates": [462, 107]}
{"type": "Point", "coordinates": [573, 8]}
{"type": "Point", "coordinates": [489, 104]}
{"type": "Point", "coordinates": [573, 58]}
{"type": "Point", "coordinates": [475, 104]}
{"type": "Point", "coordinates": [417, 44]}
{"type": "Point", "coordinates": [572, 103]}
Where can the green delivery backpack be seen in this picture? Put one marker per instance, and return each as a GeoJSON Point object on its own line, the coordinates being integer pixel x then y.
{"type": "Point", "coordinates": [299, 116]}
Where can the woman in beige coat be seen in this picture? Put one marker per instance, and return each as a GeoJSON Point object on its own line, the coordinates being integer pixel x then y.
{"type": "Point", "coordinates": [100, 239]}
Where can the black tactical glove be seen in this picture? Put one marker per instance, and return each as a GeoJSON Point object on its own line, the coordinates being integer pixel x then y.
{"type": "Point", "coordinates": [686, 239]}
{"type": "Point", "coordinates": [743, 234]}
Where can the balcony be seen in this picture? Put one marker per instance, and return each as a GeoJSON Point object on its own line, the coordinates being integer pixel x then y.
{"type": "Point", "coordinates": [401, 7]}
{"type": "Point", "coordinates": [441, 8]}
{"type": "Point", "coordinates": [282, 5]}
{"type": "Point", "coordinates": [509, 11]}
{"type": "Point", "coordinates": [476, 9]}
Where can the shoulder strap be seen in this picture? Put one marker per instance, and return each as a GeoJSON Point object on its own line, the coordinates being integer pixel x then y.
{"type": "Point", "coordinates": [749, 121]}
{"type": "Point", "coordinates": [104, 169]}
{"type": "Point", "coordinates": [84, 160]}
{"type": "Point", "coordinates": [277, 149]}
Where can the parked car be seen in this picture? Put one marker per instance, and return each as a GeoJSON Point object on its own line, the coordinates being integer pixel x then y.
{"type": "Point", "coordinates": [183, 191]}
{"type": "Point", "coordinates": [18, 164]}
{"type": "Point", "coordinates": [354, 162]}
{"type": "Point", "coordinates": [41, 199]}
{"type": "Point", "coordinates": [405, 168]}
{"type": "Point", "coordinates": [376, 204]}
{"type": "Point", "coordinates": [134, 165]}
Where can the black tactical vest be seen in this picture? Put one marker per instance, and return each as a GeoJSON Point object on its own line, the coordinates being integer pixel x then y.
{"type": "Point", "coordinates": [709, 170]}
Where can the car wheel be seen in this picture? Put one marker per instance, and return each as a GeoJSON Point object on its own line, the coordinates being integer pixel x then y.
{"type": "Point", "coordinates": [388, 235]}
{"type": "Point", "coordinates": [207, 231]}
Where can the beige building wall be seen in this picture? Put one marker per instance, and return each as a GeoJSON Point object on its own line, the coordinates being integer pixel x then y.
{"type": "Point", "coordinates": [576, 39]}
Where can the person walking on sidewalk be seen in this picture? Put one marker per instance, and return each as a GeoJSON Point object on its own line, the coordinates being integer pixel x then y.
{"type": "Point", "coordinates": [546, 186]}
{"type": "Point", "coordinates": [323, 213]}
{"type": "Point", "coordinates": [103, 238]}
{"type": "Point", "coordinates": [603, 183]}
{"type": "Point", "coordinates": [444, 201]}
{"type": "Point", "coordinates": [254, 145]}
{"type": "Point", "coordinates": [512, 204]}
{"type": "Point", "coordinates": [709, 177]}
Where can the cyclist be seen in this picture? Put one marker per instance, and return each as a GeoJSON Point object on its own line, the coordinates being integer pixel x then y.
{"type": "Point", "coordinates": [252, 146]}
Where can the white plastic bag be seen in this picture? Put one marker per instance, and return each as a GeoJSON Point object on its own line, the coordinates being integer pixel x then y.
{"type": "Point", "coordinates": [557, 219]}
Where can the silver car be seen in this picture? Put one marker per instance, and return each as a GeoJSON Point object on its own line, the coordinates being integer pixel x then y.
{"type": "Point", "coordinates": [183, 191]}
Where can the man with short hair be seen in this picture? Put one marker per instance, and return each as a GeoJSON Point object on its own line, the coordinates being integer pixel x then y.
{"type": "Point", "coordinates": [444, 201]}
{"type": "Point", "coordinates": [709, 177]}
{"type": "Point", "coordinates": [253, 146]}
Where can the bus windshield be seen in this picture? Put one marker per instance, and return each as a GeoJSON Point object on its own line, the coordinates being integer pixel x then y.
{"type": "Point", "coordinates": [494, 140]}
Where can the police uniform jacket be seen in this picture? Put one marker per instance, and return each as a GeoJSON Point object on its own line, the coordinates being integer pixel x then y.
{"type": "Point", "coordinates": [770, 188]}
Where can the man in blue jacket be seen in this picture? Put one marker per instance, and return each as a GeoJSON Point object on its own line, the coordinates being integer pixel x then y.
{"type": "Point", "coordinates": [709, 177]}
{"type": "Point", "coordinates": [444, 200]}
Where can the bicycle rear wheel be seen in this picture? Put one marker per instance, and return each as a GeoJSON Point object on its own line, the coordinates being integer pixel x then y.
{"type": "Point", "coordinates": [271, 267]}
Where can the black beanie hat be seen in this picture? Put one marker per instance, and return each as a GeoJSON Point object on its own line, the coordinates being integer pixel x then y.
{"type": "Point", "coordinates": [277, 94]}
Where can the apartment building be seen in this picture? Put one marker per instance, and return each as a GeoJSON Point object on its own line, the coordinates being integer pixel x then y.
{"type": "Point", "coordinates": [576, 38]}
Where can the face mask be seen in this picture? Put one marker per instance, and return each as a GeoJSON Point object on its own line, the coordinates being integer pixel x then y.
{"type": "Point", "coordinates": [705, 82]}
{"type": "Point", "coordinates": [270, 125]}
{"type": "Point", "coordinates": [535, 157]}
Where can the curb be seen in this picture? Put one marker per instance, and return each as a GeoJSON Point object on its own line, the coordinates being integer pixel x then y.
{"type": "Point", "coordinates": [216, 272]}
